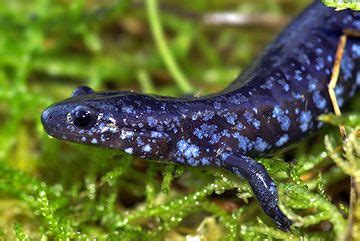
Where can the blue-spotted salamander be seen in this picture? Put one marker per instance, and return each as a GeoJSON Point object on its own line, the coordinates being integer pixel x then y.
{"type": "Point", "coordinates": [276, 101]}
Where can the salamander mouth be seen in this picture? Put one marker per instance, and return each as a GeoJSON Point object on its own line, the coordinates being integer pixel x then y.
{"type": "Point", "coordinates": [70, 136]}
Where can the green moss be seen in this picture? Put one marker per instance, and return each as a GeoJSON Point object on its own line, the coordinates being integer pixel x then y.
{"type": "Point", "coordinates": [340, 5]}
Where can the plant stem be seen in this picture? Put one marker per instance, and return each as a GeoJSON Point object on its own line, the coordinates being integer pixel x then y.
{"type": "Point", "coordinates": [353, 219]}
{"type": "Point", "coordinates": [156, 29]}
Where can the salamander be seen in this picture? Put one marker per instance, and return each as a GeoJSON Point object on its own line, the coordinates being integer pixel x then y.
{"type": "Point", "coordinates": [275, 102]}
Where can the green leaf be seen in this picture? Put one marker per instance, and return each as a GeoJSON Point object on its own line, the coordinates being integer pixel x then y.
{"type": "Point", "coordinates": [340, 5]}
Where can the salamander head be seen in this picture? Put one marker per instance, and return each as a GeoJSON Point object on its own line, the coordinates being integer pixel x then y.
{"type": "Point", "coordinates": [118, 120]}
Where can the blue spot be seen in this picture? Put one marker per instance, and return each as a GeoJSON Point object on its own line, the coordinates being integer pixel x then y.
{"type": "Point", "coordinates": [268, 85]}
{"type": "Point", "coordinates": [282, 140]}
{"type": "Point", "coordinates": [319, 63]}
{"type": "Point", "coordinates": [180, 159]}
{"type": "Point", "coordinates": [297, 96]}
{"type": "Point", "coordinates": [217, 105]}
{"type": "Point", "coordinates": [319, 101]}
{"type": "Point", "coordinates": [347, 66]}
{"type": "Point", "coordinates": [205, 130]}
{"type": "Point", "coordinates": [156, 134]}
{"type": "Point", "coordinates": [340, 101]}
{"type": "Point", "coordinates": [152, 122]}
{"type": "Point", "coordinates": [320, 124]}
{"type": "Point", "coordinates": [224, 155]}
{"type": "Point", "coordinates": [236, 171]}
{"type": "Point", "coordinates": [146, 148]}
{"type": "Point", "coordinates": [230, 118]}
{"type": "Point", "coordinates": [225, 133]}
{"type": "Point", "coordinates": [187, 149]}
{"type": "Point", "coordinates": [329, 58]}
{"type": "Point", "coordinates": [318, 51]}
{"type": "Point", "coordinates": [129, 150]}
{"type": "Point", "coordinates": [272, 188]}
{"type": "Point", "coordinates": [237, 99]}
{"type": "Point", "coordinates": [260, 144]}
{"type": "Point", "coordinates": [346, 20]}
{"type": "Point", "coordinates": [127, 109]}
{"type": "Point", "coordinates": [358, 78]}
{"type": "Point", "coordinates": [252, 120]}
{"type": "Point", "coordinates": [281, 117]}
{"type": "Point", "coordinates": [214, 138]}
{"type": "Point", "coordinates": [192, 162]}
{"type": "Point", "coordinates": [205, 161]}
{"type": "Point", "coordinates": [160, 128]}
{"type": "Point", "coordinates": [139, 141]}
{"type": "Point", "coordinates": [303, 58]}
{"type": "Point", "coordinates": [298, 75]}
{"type": "Point", "coordinates": [196, 115]}
{"type": "Point", "coordinates": [355, 49]}
{"type": "Point", "coordinates": [305, 120]}
{"type": "Point", "coordinates": [339, 91]}
{"type": "Point", "coordinates": [312, 84]}
{"type": "Point", "coordinates": [244, 142]}
{"type": "Point", "coordinates": [207, 115]}
{"type": "Point", "coordinates": [356, 24]}
{"type": "Point", "coordinates": [240, 126]}
{"type": "Point", "coordinates": [285, 85]}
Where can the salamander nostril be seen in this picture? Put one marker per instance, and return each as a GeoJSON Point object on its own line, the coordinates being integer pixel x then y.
{"type": "Point", "coordinates": [46, 116]}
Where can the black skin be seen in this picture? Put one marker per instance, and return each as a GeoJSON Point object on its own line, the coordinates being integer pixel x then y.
{"type": "Point", "coordinates": [274, 103]}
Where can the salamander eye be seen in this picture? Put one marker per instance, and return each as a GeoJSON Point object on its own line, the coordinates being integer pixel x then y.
{"type": "Point", "coordinates": [83, 117]}
{"type": "Point", "coordinates": [82, 90]}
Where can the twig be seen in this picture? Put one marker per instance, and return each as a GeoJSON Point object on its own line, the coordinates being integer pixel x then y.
{"type": "Point", "coordinates": [229, 18]}
{"type": "Point", "coordinates": [241, 19]}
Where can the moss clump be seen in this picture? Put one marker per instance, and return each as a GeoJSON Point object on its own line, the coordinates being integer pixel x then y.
{"type": "Point", "coordinates": [340, 5]}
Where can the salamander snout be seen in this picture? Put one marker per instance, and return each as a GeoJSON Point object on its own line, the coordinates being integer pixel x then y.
{"type": "Point", "coordinates": [52, 120]}
{"type": "Point", "coordinates": [46, 117]}
{"type": "Point", "coordinates": [68, 118]}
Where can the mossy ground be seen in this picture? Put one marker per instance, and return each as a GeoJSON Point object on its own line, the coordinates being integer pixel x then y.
{"type": "Point", "coordinates": [53, 190]}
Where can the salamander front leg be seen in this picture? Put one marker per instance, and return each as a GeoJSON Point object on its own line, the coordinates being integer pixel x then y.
{"type": "Point", "coordinates": [262, 185]}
